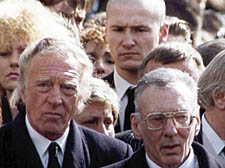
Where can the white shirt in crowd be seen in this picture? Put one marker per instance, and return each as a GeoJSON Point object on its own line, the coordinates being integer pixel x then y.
{"type": "Point", "coordinates": [41, 144]}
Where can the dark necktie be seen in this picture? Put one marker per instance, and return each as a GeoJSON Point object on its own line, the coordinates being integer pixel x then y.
{"type": "Point", "coordinates": [53, 160]}
{"type": "Point", "coordinates": [223, 151]}
{"type": "Point", "coordinates": [130, 108]}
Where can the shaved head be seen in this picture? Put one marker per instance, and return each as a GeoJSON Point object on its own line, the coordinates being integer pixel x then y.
{"type": "Point", "coordinates": [133, 29]}
{"type": "Point", "coordinates": [157, 7]}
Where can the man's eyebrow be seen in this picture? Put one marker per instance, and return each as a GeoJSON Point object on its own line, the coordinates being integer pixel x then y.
{"type": "Point", "coordinates": [115, 25]}
{"type": "Point", "coordinates": [43, 79]}
{"type": "Point", "coordinates": [70, 82]}
{"type": "Point", "coordinates": [141, 26]}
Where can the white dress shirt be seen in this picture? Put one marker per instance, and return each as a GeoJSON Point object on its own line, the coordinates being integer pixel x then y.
{"type": "Point", "coordinates": [211, 141]}
{"type": "Point", "coordinates": [41, 144]}
{"type": "Point", "coordinates": [121, 86]}
{"type": "Point", "coordinates": [190, 162]}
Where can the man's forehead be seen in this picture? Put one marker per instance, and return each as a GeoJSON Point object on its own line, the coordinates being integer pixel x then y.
{"type": "Point", "coordinates": [62, 80]}
{"type": "Point", "coordinates": [140, 15]}
{"type": "Point", "coordinates": [152, 6]}
{"type": "Point", "coordinates": [52, 64]}
{"type": "Point", "coordinates": [174, 98]}
{"type": "Point", "coordinates": [142, 3]}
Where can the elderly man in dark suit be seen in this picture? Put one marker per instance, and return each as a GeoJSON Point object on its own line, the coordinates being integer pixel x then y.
{"type": "Point", "coordinates": [212, 98]}
{"type": "Point", "coordinates": [133, 29]}
{"type": "Point", "coordinates": [167, 120]}
{"type": "Point", "coordinates": [53, 82]}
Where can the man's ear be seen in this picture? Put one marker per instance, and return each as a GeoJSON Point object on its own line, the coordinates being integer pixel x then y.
{"type": "Point", "coordinates": [197, 119]}
{"type": "Point", "coordinates": [219, 98]}
{"type": "Point", "coordinates": [135, 124]}
{"type": "Point", "coordinates": [197, 126]}
{"type": "Point", "coordinates": [164, 29]}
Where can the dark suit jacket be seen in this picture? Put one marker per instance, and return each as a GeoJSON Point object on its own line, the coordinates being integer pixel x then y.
{"type": "Point", "coordinates": [110, 79]}
{"type": "Point", "coordinates": [6, 112]}
{"type": "Point", "coordinates": [138, 159]}
{"type": "Point", "coordinates": [84, 147]}
{"type": "Point", "coordinates": [129, 138]}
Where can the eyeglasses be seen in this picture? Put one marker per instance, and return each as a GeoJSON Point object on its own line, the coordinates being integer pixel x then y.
{"type": "Point", "coordinates": [157, 120]}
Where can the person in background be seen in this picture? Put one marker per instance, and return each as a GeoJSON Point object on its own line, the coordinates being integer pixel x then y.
{"type": "Point", "coordinates": [98, 19]}
{"type": "Point", "coordinates": [101, 109]}
{"type": "Point", "coordinates": [210, 49]}
{"type": "Point", "coordinates": [21, 23]}
{"type": "Point", "coordinates": [212, 24]}
{"type": "Point", "coordinates": [171, 54]}
{"type": "Point", "coordinates": [167, 119]}
{"type": "Point", "coordinates": [54, 81]}
{"type": "Point", "coordinates": [192, 11]}
{"type": "Point", "coordinates": [179, 30]}
{"type": "Point", "coordinates": [133, 29]}
{"type": "Point", "coordinates": [96, 47]}
{"type": "Point", "coordinates": [73, 10]}
{"type": "Point", "coordinates": [211, 97]}
{"type": "Point", "coordinates": [174, 54]}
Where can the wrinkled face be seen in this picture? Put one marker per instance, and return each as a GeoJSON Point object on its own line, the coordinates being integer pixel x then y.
{"type": "Point", "coordinates": [97, 116]}
{"type": "Point", "coordinates": [187, 65]}
{"type": "Point", "coordinates": [50, 93]}
{"type": "Point", "coordinates": [101, 58]}
{"type": "Point", "coordinates": [9, 67]}
{"type": "Point", "coordinates": [131, 35]}
{"type": "Point", "coordinates": [168, 146]}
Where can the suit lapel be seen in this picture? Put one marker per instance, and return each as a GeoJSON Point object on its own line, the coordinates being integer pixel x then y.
{"type": "Point", "coordinates": [110, 79]}
{"type": "Point", "coordinates": [25, 150]}
{"type": "Point", "coordinates": [137, 158]}
{"type": "Point", "coordinates": [74, 154]}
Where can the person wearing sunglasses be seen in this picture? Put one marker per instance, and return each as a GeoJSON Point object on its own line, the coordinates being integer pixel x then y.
{"type": "Point", "coordinates": [167, 119]}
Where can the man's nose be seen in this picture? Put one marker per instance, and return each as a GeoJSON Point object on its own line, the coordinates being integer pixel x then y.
{"type": "Point", "coordinates": [128, 40]}
{"type": "Point", "coordinates": [170, 128]}
{"type": "Point", "coordinates": [55, 97]}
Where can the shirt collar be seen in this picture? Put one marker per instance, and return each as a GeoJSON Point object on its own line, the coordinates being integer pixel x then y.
{"type": "Point", "coordinates": [121, 85]}
{"type": "Point", "coordinates": [190, 162]}
{"type": "Point", "coordinates": [41, 143]}
{"type": "Point", "coordinates": [213, 138]}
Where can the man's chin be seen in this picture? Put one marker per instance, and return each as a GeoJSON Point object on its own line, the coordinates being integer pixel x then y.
{"type": "Point", "coordinates": [52, 133]}
{"type": "Point", "coordinates": [131, 67]}
{"type": "Point", "coordinates": [172, 161]}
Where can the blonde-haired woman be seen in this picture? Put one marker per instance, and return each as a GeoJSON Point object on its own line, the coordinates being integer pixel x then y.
{"type": "Point", "coordinates": [21, 23]}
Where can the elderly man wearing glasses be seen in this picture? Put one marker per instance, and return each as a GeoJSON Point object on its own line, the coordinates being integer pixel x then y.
{"type": "Point", "coordinates": [167, 119]}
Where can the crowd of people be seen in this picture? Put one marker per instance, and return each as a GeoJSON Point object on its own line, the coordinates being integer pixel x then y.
{"type": "Point", "coordinates": [112, 84]}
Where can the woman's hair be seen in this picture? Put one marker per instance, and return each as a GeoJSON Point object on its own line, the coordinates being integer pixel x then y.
{"type": "Point", "coordinates": [102, 92]}
{"type": "Point", "coordinates": [28, 21]}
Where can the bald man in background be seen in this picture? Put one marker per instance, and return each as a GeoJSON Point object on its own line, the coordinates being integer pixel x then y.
{"type": "Point", "coordinates": [133, 29]}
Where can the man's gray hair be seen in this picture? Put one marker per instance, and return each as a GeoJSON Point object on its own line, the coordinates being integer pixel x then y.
{"type": "Point", "coordinates": [212, 79]}
{"type": "Point", "coordinates": [164, 78]}
{"type": "Point", "coordinates": [60, 48]}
